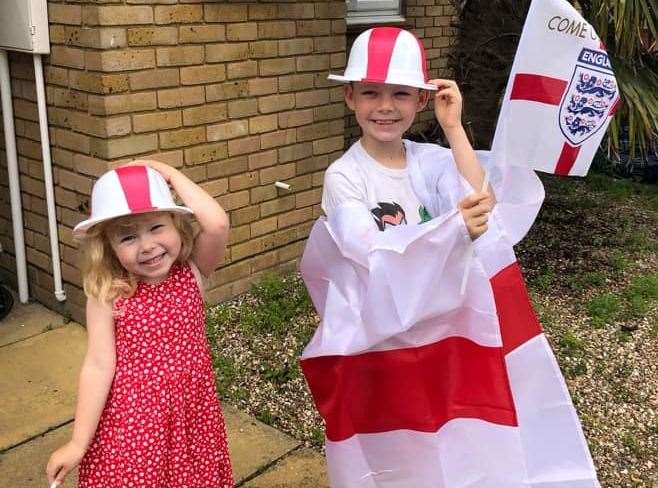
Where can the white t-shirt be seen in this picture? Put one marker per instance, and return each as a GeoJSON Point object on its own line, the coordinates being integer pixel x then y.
{"type": "Point", "coordinates": [387, 192]}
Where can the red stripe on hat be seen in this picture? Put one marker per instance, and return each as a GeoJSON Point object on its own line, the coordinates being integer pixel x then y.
{"type": "Point", "coordinates": [135, 185]}
{"type": "Point", "coordinates": [419, 388]}
{"type": "Point", "coordinates": [518, 321]}
{"type": "Point", "coordinates": [568, 157]}
{"type": "Point", "coordinates": [380, 50]}
{"type": "Point", "coordinates": [537, 88]}
{"type": "Point", "coordinates": [615, 107]}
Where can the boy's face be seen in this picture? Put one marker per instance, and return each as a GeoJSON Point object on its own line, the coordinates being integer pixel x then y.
{"type": "Point", "coordinates": [384, 112]}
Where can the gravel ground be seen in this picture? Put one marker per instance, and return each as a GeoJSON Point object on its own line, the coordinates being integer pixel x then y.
{"type": "Point", "coordinates": [591, 262]}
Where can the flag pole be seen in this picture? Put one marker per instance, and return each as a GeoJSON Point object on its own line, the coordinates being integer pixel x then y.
{"type": "Point", "coordinates": [471, 248]}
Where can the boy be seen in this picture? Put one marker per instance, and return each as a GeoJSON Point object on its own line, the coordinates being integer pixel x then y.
{"type": "Point", "coordinates": [420, 385]}
{"type": "Point", "coordinates": [374, 170]}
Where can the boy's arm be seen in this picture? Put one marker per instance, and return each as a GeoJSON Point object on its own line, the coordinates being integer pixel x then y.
{"type": "Point", "coordinates": [96, 377]}
{"type": "Point", "coordinates": [210, 243]}
{"type": "Point", "coordinates": [448, 110]}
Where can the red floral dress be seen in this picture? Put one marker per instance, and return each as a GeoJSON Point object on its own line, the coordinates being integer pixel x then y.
{"type": "Point", "coordinates": [162, 426]}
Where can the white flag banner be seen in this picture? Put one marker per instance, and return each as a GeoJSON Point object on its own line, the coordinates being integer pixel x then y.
{"type": "Point", "coordinates": [560, 95]}
{"type": "Point", "coordinates": [422, 386]}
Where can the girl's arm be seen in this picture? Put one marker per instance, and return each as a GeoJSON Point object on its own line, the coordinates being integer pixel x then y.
{"type": "Point", "coordinates": [95, 380]}
{"type": "Point", "coordinates": [210, 243]}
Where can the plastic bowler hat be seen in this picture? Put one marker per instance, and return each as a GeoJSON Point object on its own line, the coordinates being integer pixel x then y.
{"type": "Point", "coordinates": [387, 55]}
{"type": "Point", "coordinates": [125, 191]}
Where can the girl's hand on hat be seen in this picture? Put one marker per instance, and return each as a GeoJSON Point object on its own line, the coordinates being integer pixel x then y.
{"type": "Point", "coordinates": [475, 210]}
{"type": "Point", "coordinates": [164, 169]}
{"type": "Point", "coordinates": [62, 461]}
{"type": "Point", "coordinates": [447, 104]}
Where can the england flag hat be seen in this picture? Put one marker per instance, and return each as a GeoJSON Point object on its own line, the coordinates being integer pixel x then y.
{"type": "Point", "coordinates": [387, 55]}
{"type": "Point", "coordinates": [125, 191]}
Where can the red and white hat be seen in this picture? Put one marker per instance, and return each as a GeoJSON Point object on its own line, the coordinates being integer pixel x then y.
{"type": "Point", "coordinates": [128, 190]}
{"type": "Point", "coordinates": [387, 55]}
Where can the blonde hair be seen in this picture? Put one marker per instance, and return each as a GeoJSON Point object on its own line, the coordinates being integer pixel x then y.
{"type": "Point", "coordinates": [103, 277]}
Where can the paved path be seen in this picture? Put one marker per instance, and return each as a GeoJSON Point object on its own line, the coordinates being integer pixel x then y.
{"type": "Point", "coordinates": [40, 356]}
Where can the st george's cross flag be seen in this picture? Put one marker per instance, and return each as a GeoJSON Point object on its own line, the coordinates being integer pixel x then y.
{"type": "Point", "coordinates": [418, 384]}
{"type": "Point", "coordinates": [560, 95]}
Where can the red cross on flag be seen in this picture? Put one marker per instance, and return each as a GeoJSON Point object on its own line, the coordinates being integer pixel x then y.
{"type": "Point", "coordinates": [560, 95]}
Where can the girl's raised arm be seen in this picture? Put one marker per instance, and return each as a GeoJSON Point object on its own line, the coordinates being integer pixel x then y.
{"type": "Point", "coordinates": [96, 378]}
{"type": "Point", "coordinates": [210, 244]}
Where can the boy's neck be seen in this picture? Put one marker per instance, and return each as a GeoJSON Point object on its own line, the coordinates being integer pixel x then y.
{"type": "Point", "coordinates": [389, 154]}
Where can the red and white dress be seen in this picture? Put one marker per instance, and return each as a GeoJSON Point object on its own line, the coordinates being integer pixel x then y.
{"type": "Point", "coordinates": [162, 425]}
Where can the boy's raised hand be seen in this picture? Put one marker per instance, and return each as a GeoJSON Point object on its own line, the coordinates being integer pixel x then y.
{"type": "Point", "coordinates": [475, 209]}
{"type": "Point", "coordinates": [447, 104]}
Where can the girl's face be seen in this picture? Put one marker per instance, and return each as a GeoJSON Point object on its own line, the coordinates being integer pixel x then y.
{"type": "Point", "coordinates": [146, 245]}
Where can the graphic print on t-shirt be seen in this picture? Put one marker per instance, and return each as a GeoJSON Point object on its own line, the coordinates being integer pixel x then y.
{"type": "Point", "coordinates": [388, 213]}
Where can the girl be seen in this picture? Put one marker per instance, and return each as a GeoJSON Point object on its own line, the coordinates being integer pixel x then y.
{"type": "Point", "coordinates": [147, 413]}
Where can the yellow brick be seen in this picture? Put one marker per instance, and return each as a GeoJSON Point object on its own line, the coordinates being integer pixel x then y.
{"type": "Point", "coordinates": [179, 56]}
{"type": "Point", "coordinates": [116, 104]}
{"type": "Point", "coordinates": [201, 33]}
{"type": "Point", "coordinates": [225, 13]}
{"type": "Point", "coordinates": [313, 63]}
{"type": "Point", "coordinates": [152, 36]}
{"type": "Point", "coordinates": [67, 56]}
{"type": "Point", "coordinates": [228, 130]}
{"type": "Point", "coordinates": [276, 103]}
{"type": "Point", "coordinates": [178, 14]}
{"type": "Point", "coordinates": [206, 153]}
{"type": "Point", "coordinates": [109, 15]}
{"type": "Point", "coordinates": [311, 98]}
{"type": "Point", "coordinates": [242, 108]}
{"type": "Point", "coordinates": [278, 66]}
{"type": "Point", "coordinates": [156, 121]}
{"type": "Point", "coordinates": [279, 205]}
{"type": "Point", "coordinates": [242, 181]}
{"type": "Point", "coordinates": [263, 86]}
{"type": "Point", "coordinates": [264, 226]}
{"type": "Point", "coordinates": [329, 44]}
{"type": "Point", "coordinates": [278, 138]}
{"type": "Point", "coordinates": [263, 159]}
{"type": "Point", "coordinates": [66, 139]}
{"type": "Point", "coordinates": [228, 167]}
{"type": "Point", "coordinates": [216, 187]}
{"type": "Point", "coordinates": [158, 78]}
{"type": "Point", "coordinates": [218, 53]}
{"type": "Point", "coordinates": [332, 10]}
{"type": "Point", "coordinates": [263, 193]}
{"type": "Point", "coordinates": [295, 217]}
{"type": "Point", "coordinates": [123, 146]}
{"type": "Point", "coordinates": [333, 111]}
{"type": "Point", "coordinates": [244, 69]}
{"type": "Point", "coordinates": [100, 126]}
{"type": "Point", "coordinates": [247, 31]}
{"type": "Point", "coordinates": [245, 145]}
{"type": "Point", "coordinates": [295, 118]}
{"type": "Point", "coordinates": [196, 75]}
{"type": "Point", "coordinates": [263, 123]}
{"type": "Point", "coordinates": [297, 11]}
{"type": "Point", "coordinates": [263, 49]}
{"type": "Point", "coordinates": [263, 12]}
{"type": "Point", "coordinates": [308, 198]}
{"type": "Point", "coordinates": [99, 38]}
{"type": "Point", "coordinates": [295, 152]}
{"type": "Point", "coordinates": [276, 30]}
{"type": "Point", "coordinates": [313, 28]}
{"type": "Point", "coordinates": [324, 146]}
{"type": "Point", "coordinates": [124, 60]}
{"type": "Point", "coordinates": [89, 166]}
{"type": "Point", "coordinates": [292, 47]}
{"type": "Point", "coordinates": [295, 82]}
{"type": "Point", "coordinates": [226, 91]}
{"type": "Point", "coordinates": [182, 137]}
{"type": "Point", "coordinates": [234, 200]}
{"type": "Point", "coordinates": [172, 158]}
{"type": "Point", "coordinates": [64, 14]}
{"type": "Point", "coordinates": [205, 114]}
{"type": "Point", "coordinates": [277, 173]}
{"type": "Point", "coordinates": [181, 97]}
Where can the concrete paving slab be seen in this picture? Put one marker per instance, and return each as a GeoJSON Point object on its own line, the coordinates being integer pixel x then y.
{"type": "Point", "coordinates": [39, 382]}
{"type": "Point", "coordinates": [27, 320]}
{"type": "Point", "coordinates": [252, 444]}
{"type": "Point", "coordinates": [25, 466]}
{"type": "Point", "coordinates": [301, 469]}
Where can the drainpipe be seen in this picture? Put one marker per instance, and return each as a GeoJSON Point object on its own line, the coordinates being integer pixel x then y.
{"type": "Point", "coordinates": [60, 294]}
{"type": "Point", "coordinates": [14, 180]}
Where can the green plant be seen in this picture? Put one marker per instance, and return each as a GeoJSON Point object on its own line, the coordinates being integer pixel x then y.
{"type": "Point", "coordinates": [603, 309]}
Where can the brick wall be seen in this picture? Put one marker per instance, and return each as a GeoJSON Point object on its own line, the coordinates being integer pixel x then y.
{"type": "Point", "coordinates": [232, 93]}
